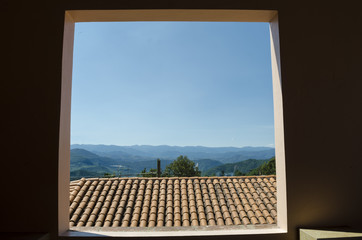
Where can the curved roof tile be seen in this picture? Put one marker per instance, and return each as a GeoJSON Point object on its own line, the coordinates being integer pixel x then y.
{"type": "Point", "coordinates": [186, 201]}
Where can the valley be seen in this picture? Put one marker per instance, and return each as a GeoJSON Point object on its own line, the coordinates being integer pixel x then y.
{"type": "Point", "coordinates": [128, 161]}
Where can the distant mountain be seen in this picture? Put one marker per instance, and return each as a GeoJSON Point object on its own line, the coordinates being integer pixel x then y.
{"type": "Point", "coordinates": [205, 164]}
{"type": "Point", "coordinates": [146, 152]}
{"type": "Point", "coordinates": [78, 153]}
{"type": "Point", "coordinates": [267, 168]}
{"type": "Point", "coordinates": [229, 168]}
{"type": "Point", "coordinates": [87, 164]}
{"type": "Point", "coordinates": [81, 157]}
{"type": "Point", "coordinates": [96, 160]}
{"type": "Point", "coordinates": [241, 156]}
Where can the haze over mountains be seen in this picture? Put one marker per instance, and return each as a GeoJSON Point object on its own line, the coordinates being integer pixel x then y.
{"type": "Point", "coordinates": [147, 152]}
{"type": "Point", "coordinates": [94, 160]}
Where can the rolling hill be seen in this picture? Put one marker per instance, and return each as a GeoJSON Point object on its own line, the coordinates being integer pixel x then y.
{"type": "Point", "coordinates": [164, 152]}
{"type": "Point", "coordinates": [87, 164]}
{"type": "Point", "coordinates": [229, 168]}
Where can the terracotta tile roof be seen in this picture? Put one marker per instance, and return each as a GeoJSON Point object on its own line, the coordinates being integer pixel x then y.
{"type": "Point", "coordinates": [176, 202]}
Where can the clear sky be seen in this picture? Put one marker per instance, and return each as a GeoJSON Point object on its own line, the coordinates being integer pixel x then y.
{"type": "Point", "coordinates": [172, 83]}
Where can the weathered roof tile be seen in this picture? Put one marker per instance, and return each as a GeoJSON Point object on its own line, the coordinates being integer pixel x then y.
{"type": "Point", "coordinates": [187, 201]}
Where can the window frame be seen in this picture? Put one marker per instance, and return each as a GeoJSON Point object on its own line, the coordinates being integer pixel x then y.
{"type": "Point", "coordinates": [73, 16]}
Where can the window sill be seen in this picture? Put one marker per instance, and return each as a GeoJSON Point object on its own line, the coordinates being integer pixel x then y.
{"type": "Point", "coordinates": [172, 231]}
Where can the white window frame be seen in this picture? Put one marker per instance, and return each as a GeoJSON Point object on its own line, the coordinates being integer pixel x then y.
{"type": "Point", "coordinates": [74, 16]}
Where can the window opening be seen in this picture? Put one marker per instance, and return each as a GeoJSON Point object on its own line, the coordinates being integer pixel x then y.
{"type": "Point", "coordinates": [195, 80]}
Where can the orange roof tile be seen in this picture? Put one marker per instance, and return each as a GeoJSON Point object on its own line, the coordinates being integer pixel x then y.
{"type": "Point", "coordinates": [159, 202]}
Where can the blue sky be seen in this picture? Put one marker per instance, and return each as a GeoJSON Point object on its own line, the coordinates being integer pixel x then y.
{"type": "Point", "coordinates": [172, 83]}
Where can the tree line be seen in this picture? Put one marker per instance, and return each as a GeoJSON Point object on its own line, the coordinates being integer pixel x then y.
{"type": "Point", "coordinates": [184, 167]}
{"type": "Point", "coordinates": [267, 168]}
{"type": "Point", "coordinates": [181, 167]}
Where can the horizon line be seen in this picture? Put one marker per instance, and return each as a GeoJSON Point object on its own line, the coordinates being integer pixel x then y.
{"type": "Point", "coordinates": [167, 145]}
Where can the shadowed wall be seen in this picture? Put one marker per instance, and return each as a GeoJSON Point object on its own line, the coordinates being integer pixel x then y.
{"type": "Point", "coordinates": [321, 59]}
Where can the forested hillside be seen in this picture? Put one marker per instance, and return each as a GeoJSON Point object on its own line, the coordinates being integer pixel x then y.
{"type": "Point", "coordinates": [267, 168]}
{"type": "Point", "coordinates": [230, 169]}
{"type": "Point", "coordinates": [96, 163]}
{"type": "Point", "coordinates": [145, 152]}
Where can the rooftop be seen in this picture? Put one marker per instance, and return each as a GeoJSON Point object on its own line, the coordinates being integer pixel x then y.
{"type": "Point", "coordinates": [173, 202]}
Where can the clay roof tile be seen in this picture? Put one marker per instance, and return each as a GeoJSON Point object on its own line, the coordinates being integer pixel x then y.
{"type": "Point", "coordinates": [245, 221]}
{"type": "Point", "coordinates": [147, 202]}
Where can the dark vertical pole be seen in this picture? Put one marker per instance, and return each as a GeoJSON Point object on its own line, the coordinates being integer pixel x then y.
{"type": "Point", "coordinates": [158, 167]}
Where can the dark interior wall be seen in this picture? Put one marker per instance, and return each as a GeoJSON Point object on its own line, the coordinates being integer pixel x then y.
{"type": "Point", "coordinates": [321, 56]}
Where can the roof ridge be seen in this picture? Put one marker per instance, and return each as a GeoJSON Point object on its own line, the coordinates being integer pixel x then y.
{"type": "Point", "coordinates": [170, 178]}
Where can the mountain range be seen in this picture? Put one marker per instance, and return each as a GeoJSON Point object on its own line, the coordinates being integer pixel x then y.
{"type": "Point", "coordinates": [95, 160]}
{"type": "Point", "coordinates": [147, 152]}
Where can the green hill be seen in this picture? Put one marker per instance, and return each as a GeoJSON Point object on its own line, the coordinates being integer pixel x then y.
{"type": "Point", "coordinates": [205, 164]}
{"type": "Point", "coordinates": [267, 168]}
{"type": "Point", "coordinates": [84, 163]}
{"type": "Point", "coordinates": [145, 152]}
{"type": "Point", "coordinates": [229, 168]}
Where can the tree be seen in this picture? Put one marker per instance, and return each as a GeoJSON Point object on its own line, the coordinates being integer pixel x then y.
{"type": "Point", "coordinates": [151, 173]}
{"type": "Point", "coordinates": [267, 168]}
{"type": "Point", "coordinates": [181, 167]}
{"type": "Point", "coordinates": [237, 172]}
{"type": "Point", "coordinates": [108, 175]}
